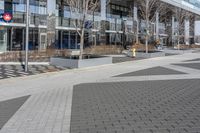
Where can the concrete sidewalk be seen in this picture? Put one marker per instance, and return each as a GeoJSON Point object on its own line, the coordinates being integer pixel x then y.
{"type": "Point", "coordinates": [48, 109]}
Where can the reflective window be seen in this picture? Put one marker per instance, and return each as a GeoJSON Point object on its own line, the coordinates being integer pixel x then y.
{"type": "Point", "coordinates": [1, 4]}
{"type": "Point", "coordinates": [36, 6]}
{"type": "Point", "coordinates": [195, 3]}
{"type": "Point", "coordinates": [119, 10]}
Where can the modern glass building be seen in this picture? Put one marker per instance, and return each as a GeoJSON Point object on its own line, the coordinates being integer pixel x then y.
{"type": "Point", "coordinates": [53, 17]}
{"type": "Point", "coordinates": [12, 34]}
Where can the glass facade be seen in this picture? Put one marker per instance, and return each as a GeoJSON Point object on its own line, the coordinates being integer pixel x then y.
{"type": "Point", "coordinates": [12, 38]}
{"type": "Point", "coordinates": [17, 8]}
{"type": "Point", "coordinates": [120, 23]}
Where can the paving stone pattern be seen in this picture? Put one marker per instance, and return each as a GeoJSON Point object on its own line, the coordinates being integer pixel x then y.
{"type": "Point", "coordinates": [171, 106]}
{"type": "Point", "coordinates": [124, 59]}
{"type": "Point", "coordinates": [9, 71]}
{"type": "Point", "coordinates": [152, 71]}
{"type": "Point", "coordinates": [170, 54]}
{"type": "Point", "coordinates": [190, 65]}
{"type": "Point", "coordinates": [9, 108]}
{"type": "Point", "coordinates": [196, 51]}
{"type": "Point", "coordinates": [197, 59]}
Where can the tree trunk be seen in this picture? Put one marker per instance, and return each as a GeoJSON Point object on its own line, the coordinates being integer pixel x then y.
{"type": "Point", "coordinates": [178, 42]}
{"type": "Point", "coordinates": [82, 37]}
{"type": "Point", "coordinates": [146, 45]}
{"type": "Point", "coordinates": [95, 40]}
{"type": "Point", "coordinates": [81, 45]}
{"type": "Point", "coordinates": [137, 38]}
{"type": "Point", "coordinates": [179, 36]}
{"type": "Point", "coordinates": [147, 25]}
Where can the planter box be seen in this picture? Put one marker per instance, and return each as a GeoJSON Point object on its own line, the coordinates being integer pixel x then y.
{"type": "Point", "coordinates": [147, 55]}
{"type": "Point", "coordinates": [76, 63]}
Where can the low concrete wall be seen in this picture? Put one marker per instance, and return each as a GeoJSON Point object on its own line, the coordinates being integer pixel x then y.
{"type": "Point", "coordinates": [95, 62]}
{"type": "Point", "coordinates": [176, 51]}
{"type": "Point", "coordinates": [64, 62]}
{"type": "Point", "coordinates": [75, 63]}
{"type": "Point", "coordinates": [147, 55]}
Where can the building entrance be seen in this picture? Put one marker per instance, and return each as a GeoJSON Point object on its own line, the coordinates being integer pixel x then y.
{"type": "Point", "coordinates": [68, 40]}
{"type": "Point", "coordinates": [17, 43]}
{"type": "Point", "coordinates": [43, 41]}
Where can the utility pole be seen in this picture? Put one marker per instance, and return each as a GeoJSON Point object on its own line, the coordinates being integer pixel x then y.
{"type": "Point", "coordinates": [27, 35]}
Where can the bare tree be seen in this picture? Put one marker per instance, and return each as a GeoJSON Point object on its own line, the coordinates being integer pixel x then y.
{"type": "Point", "coordinates": [180, 19]}
{"type": "Point", "coordinates": [80, 10]}
{"type": "Point", "coordinates": [181, 15]}
{"type": "Point", "coordinates": [147, 12]}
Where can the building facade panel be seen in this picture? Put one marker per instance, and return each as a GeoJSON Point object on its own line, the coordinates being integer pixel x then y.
{"type": "Point", "coordinates": [189, 5]}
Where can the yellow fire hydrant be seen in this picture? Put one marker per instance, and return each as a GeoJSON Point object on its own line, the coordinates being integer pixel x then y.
{"type": "Point", "coordinates": [134, 52]}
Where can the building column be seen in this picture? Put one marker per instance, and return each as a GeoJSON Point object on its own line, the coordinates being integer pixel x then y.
{"type": "Point", "coordinates": [187, 31]}
{"type": "Point", "coordinates": [76, 43]}
{"type": "Point", "coordinates": [61, 39]}
{"type": "Point", "coordinates": [51, 22]}
{"type": "Point", "coordinates": [51, 7]}
{"type": "Point", "coordinates": [69, 39]}
{"type": "Point", "coordinates": [3, 40]}
{"type": "Point", "coordinates": [135, 18]}
{"type": "Point", "coordinates": [157, 25]}
{"type": "Point", "coordinates": [103, 9]}
{"type": "Point", "coordinates": [197, 32]}
{"type": "Point", "coordinates": [1, 5]}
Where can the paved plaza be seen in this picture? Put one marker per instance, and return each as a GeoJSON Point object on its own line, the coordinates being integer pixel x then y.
{"type": "Point", "coordinates": [12, 71]}
{"type": "Point", "coordinates": [190, 65]}
{"type": "Point", "coordinates": [132, 107]}
{"type": "Point", "coordinates": [152, 71]}
{"type": "Point", "coordinates": [197, 59]}
{"type": "Point", "coordinates": [157, 95]}
{"type": "Point", "coordinates": [9, 108]}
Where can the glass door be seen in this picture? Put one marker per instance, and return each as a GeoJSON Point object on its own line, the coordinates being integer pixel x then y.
{"type": "Point", "coordinates": [18, 39]}
{"type": "Point", "coordinates": [3, 39]}
{"type": "Point", "coordinates": [43, 41]}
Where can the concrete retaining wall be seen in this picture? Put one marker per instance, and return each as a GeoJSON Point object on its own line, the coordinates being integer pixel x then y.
{"type": "Point", "coordinates": [75, 63]}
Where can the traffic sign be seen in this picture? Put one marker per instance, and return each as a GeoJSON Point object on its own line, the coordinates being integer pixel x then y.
{"type": "Point", "coordinates": [6, 17]}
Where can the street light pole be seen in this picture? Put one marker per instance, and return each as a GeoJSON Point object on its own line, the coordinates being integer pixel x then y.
{"type": "Point", "coordinates": [27, 35]}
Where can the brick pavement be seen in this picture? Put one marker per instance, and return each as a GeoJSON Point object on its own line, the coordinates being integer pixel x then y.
{"type": "Point", "coordinates": [10, 71]}
{"type": "Point", "coordinates": [137, 107]}
{"type": "Point", "coordinates": [9, 108]}
{"type": "Point", "coordinates": [152, 71]}
{"type": "Point", "coordinates": [197, 59]}
{"type": "Point", "coordinates": [124, 59]}
{"type": "Point", "coordinates": [190, 65]}
{"type": "Point", "coordinates": [43, 113]}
